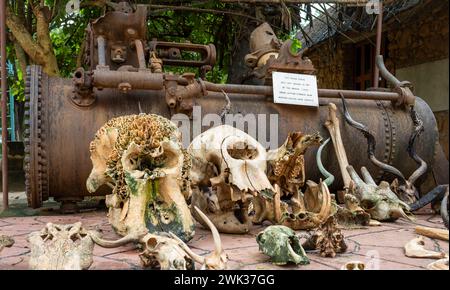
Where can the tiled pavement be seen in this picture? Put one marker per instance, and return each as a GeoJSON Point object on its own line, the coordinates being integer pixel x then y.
{"type": "Point", "coordinates": [381, 245]}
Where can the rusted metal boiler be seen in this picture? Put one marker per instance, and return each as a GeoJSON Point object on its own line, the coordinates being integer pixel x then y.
{"type": "Point", "coordinates": [124, 75]}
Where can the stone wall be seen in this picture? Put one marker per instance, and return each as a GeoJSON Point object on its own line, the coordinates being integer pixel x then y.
{"type": "Point", "coordinates": [329, 64]}
{"type": "Point", "coordinates": [422, 39]}
{"type": "Point", "coordinates": [418, 41]}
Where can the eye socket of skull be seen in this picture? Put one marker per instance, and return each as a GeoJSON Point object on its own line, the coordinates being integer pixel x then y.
{"type": "Point", "coordinates": [302, 216]}
{"type": "Point", "coordinates": [350, 266]}
{"type": "Point", "coordinates": [368, 204]}
{"type": "Point", "coordinates": [237, 148]}
{"type": "Point", "coordinates": [338, 237]}
{"type": "Point", "coordinates": [361, 266]}
{"type": "Point", "coordinates": [152, 243]}
{"type": "Point", "coordinates": [242, 150]}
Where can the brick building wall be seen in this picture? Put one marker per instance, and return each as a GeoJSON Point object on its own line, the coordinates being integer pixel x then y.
{"type": "Point", "coordinates": [422, 39]}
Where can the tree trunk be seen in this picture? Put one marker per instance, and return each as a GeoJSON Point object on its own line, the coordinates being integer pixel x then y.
{"type": "Point", "coordinates": [39, 51]}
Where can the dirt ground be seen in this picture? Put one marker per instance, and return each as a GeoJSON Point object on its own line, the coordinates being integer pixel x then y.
{"type": "Point", "coordinates": [379, 247]}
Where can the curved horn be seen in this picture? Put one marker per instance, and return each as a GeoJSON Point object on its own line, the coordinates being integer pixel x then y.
{"type": "Point", "coordinates": [197, 258]}
{"type": "Point", "coordinates": [214, 231]}
{"type": "Point", "coordinates": [444, 209]}
{"type": "Point", "coordinates": [437, 193]}
{"type": "Point", "coordinates": [367, 177]}
{"type": "Point", "coordinates": [371, 143]}
{"type": "Point", "coordinates": [329, 177]}
{"type": "Point", "coordinates": [418, 129]}
{"type": "Point", "coordinates": [95, 236]}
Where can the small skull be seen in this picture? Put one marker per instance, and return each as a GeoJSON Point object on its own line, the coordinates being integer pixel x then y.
{"type": "Point", "coordinates": [282, 246]}
{"type": "Point", "coordinates": [354, 265]}
{"type": "Point", "coordinates": [164, 253]}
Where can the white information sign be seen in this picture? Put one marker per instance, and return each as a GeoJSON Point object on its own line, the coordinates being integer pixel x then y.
{"type": "Point", "coordinates": [295, 89]}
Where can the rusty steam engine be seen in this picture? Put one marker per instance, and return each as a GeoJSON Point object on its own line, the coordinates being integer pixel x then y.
{"type": "Point", "coordinates": [124, 74]}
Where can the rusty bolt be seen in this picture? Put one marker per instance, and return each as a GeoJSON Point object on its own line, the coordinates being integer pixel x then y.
{"type": "Point", "coordinates": [124, 87]}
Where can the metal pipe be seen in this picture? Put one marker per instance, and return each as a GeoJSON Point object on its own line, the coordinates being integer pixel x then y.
{"type": "Point", "coordinates": [323, 93]}
{"type": "Point", "coordinates": [137, 80]}
{"type": "Point", "coordinates": [140, 53]}
{"type": "Point", "coordinates": [376, 71]}
{"type": "Point", "coordinates": [4, 79]}
{"type": "Point", "coordinates": [390, 78]}
{"type": "Point", "coordinates": [101, 51]}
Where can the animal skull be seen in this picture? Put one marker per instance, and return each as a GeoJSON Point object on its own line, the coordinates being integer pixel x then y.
{"type": "Point", "coordinates": [228, 170]}
{"type": "Point", "coordinates": [328, 239]}
{"type": "Point", "coordinates": [159, 251]}
{"type": "Point", "coordinates": [142, 156]}
{"type": "Point", "coordinates": [282, 246]}
{"type": "Point", "coordinates": [164, 253]}
{"type": "Point", "coordinates": [286, 164]}
{"type": "Point", "coordinates": [218, 259]}
{"type": "Point", "coordinates": [308, 210]}
{"type": "Point", "coordinates": [354, 265]}
{"type": "Point", "coordinates": [61, 247]}
{"type": "Point", "coordinates": [5, 242]}
{"type": "Point", "coordinates": [352, 214]}
{"type": "Point", "coordinates": [378, 200]}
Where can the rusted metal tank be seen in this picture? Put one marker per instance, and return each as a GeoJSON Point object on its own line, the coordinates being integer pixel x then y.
{"type": "Point", "coordinates": [59, 133]}
{"type": "Point", "coordinates": [122, 75]}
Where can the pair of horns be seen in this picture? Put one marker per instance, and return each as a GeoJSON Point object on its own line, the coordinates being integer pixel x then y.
{"type": "Point", "coordinates": [418, 129]}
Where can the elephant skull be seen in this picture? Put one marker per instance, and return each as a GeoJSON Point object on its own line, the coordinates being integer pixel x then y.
{"type": "Point", "coordinates": [141, 157]}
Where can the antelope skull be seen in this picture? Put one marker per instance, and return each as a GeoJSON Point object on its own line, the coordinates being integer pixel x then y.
{"type": "Point", "coordinates": [218, 259]}
{"type": "Point", "coordinates": [378, 200]}
{"type": "Point", "coordinates": [228, 170]}
{"type": "Point", "coordinates": [141, 157]}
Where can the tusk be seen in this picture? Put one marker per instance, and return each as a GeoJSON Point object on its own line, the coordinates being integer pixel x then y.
{"type": "Point", "coordinates": [197, 258]}
{"type": "Point", "coordinates": [214, 231]}
{"type": "Point", "coordinates": [329, 177]}
{"type": "Point", "coordinates": [326, 203]}
{"type": "Point", "coordinates": [95, 236]}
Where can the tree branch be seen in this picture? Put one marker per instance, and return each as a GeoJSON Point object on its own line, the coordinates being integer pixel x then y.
{"type": "Point", "coordinates": [23, 37]}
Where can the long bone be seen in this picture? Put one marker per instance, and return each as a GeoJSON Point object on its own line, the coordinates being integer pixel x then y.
{"type": "Point", "coordinates": [329, 178]}
{"type": "Point", "coordinates": [218, 259]}
{"type": "Point", "coordinates": [332, 124]}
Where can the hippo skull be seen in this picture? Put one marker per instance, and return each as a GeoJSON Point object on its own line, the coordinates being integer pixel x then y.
{"type": "Point", "coordinates": [228, 170]}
